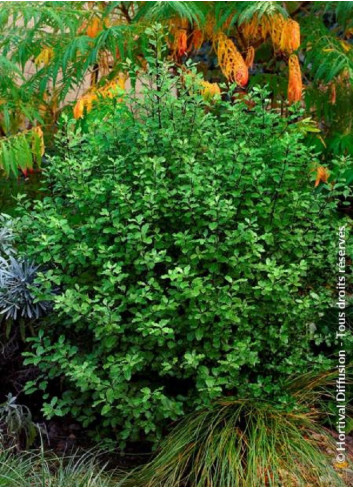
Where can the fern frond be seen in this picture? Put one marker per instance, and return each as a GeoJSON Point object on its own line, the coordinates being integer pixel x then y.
{"type": "Point", "coordinates": [247, 10]}
{"type": "Point", "coordinates": [20, 150]}
{"type": "Point", "coordinates": [343, 12]}
{"type": "Point", "coordinates": [236, 13]}
{"type": "Point", "coordinates": [161, 11]}
{"type": "Point", "coordinates": [326, 56]}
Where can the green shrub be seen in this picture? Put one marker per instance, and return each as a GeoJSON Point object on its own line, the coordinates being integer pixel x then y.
{"type": "Point", "coordinates": [190, 254]}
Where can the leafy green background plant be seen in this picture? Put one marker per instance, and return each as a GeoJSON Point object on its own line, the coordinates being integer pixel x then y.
{"type": "Point", "coordinates": [50, 52]}
{"type": "Point", "coordinates": [191, 254]}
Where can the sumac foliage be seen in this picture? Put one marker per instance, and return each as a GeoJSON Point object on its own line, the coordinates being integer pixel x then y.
{"type": "Point", "coordinates": [61, 54]}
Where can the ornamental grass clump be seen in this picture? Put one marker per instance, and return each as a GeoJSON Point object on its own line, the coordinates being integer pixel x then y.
{"type": "Point", "coordinates": [247, 443]}
{"type": "Point", "coordinates": [40, 469]}
{"type": "Point", "coordinates": [192, 255]}
{"type": "Point", "coordinates": [243, 444]}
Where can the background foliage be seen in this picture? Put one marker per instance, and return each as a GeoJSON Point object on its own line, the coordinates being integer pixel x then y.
{"type": "Point", "coordinates": [52, 53]}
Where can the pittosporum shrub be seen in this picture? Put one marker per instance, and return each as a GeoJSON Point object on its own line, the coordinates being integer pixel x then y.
{"type": "Point", "coordinates": [191, 253]}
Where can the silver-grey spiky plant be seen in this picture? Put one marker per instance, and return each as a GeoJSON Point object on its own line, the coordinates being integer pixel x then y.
{"type": "Point", "coordinates": [16, 289]}
{"type": "Point", "coordinates": [16, 422]}
{"type": "Point", "coordinates": [6, 235]}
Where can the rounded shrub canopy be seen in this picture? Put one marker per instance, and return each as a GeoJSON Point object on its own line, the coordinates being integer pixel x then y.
{"type": "Point", "coordinates": [190, 253]}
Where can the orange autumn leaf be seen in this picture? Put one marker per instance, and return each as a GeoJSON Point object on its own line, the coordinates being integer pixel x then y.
{"type": "Point", "coordinates": [348, 32]}
{"type": "Point", "coordinates": [346, 46]}
{"type": "Point", "coordinates": [265, 27]}
{"type": "Point", "coordinates": [44, 57]}
{"type": "Point", "coordinates": [84, 103]}
{"type": "Point", "coordinates": [183, 23]}
{"type": "Point", "coordinates": [231, 61]}
{"type": "Point", "coordinates": [209, 27]}
{"type": "Point", "coordinates": [251, 30]}
{"type": "Point", "coordinates": [210, 90]}
{"type": "Point", "coordinates": [109, 90]}
{"type": "Point", "coordinates": [196, 39]}
{"type": "Point", "coordinates": [180, 43]}
{"type": "Point", "coordinates": [227, 24]}
{"type": "Point", "coordinates": [290, 36]}
{"type": "Point", "coordinates": [295, 85]}
{"type": "Point", "coordinates": [175, 24]}
{"type": "Point", "coordinates": [250, 56]}
{"type": "Point", "coordinates": [254, 30]}
{"type": "Point", "coordinates": [38, 133]}
{"type": "Point", "coordinates": [79, 109]}
{"type": "Point", "coordinates": [285, 33]}
{"type": "Point", "coordinates": [121, 81]}
{"type": "Point", "coordinates": [90, 98]}
{"type": "Point", "coordinates": [94, 27]}
{"type": "Point", "coordinates": [322, 175]}
{"type": "Point", "coordinates": [276, 29]}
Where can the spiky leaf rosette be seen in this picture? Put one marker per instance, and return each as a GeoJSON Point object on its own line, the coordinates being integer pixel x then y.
{"type": "Point", "coordinates": [16, 297]}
